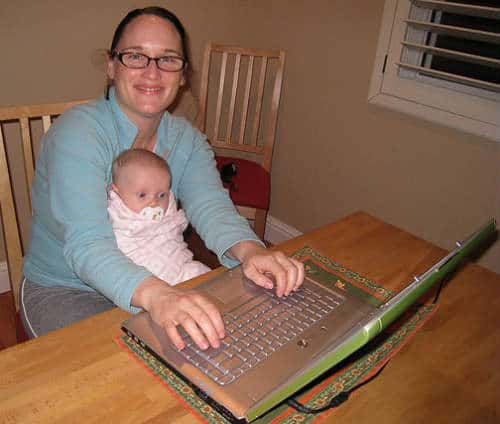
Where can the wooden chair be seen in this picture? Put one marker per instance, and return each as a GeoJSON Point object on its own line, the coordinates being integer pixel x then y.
{"type": "Point", "coordinates": [26, 125]}
{"type": "Point", "coordinates": [238, 111]}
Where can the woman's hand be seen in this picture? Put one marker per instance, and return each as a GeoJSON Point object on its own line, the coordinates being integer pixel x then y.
{"type": "Point", "coordinates": [170, 307]}
{"type": "Point", "coordinates": [269, 268]}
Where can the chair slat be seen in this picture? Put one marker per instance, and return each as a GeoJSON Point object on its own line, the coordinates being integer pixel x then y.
{"type": "Point", "coordinates": [202, 110]}
{"type": "Point", "coordinates": [234, 89]}
{"type": "Point", "coordinates": [27, 153]}
{"type": "Point", "coordinates": [246, 100]}
{"type": "Point", "coordinates": [258, 108]}
{"type": "Point", "coordinates": [273, 120]}
{"type": "Point", "coordinates": [220, 96]}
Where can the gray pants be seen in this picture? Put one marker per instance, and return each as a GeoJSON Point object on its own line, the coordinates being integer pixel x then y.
{"type": "Point", "coordinates": [44, 309]}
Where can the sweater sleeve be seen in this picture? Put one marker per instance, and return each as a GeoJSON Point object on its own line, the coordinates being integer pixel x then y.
{"type": "Point", "coordinates": [207, 203]}
{"type": "Point", "coordinates": [78, 163]}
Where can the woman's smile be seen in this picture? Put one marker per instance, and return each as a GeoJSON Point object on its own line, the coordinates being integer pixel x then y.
{"type": "Point", "coordinates": [149, 90]}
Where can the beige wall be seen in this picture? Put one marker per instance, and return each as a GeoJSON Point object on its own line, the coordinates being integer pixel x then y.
{"type": "Point", "coordinates": [335, 153]}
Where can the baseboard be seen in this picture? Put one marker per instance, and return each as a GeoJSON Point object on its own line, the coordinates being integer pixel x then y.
{"type": "Point", "coordinates": [278, 232]}
{"type": "Point", "coordinates": [4, 278]}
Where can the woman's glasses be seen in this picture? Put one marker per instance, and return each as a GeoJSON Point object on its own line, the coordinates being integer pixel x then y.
{"type": "Point", "coordinates": [140, 61]}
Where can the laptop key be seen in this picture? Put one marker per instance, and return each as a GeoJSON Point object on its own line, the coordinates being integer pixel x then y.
{"type": "Point", "coordinates": [253, 361]}
{"type": "Point", "coordinates": [258, 328]}
{"type": "Point", "coordinates": [268, 350]}
{"type": "Point", "coordinates": [205, 366]}
{"type": "Point", "coordinates": [215, 374]}
{"type": "Point", "coordinates": [253, 350]}
{"type": "Point", "coordinates": [232, 364]}
{"type": "Point", "coordinates": [226, 379]}
{"type": "Point", "coordinates": [246, 341]}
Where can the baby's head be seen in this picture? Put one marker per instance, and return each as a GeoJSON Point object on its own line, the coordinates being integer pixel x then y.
{"type": "Point", "coordinates": [141, 178]}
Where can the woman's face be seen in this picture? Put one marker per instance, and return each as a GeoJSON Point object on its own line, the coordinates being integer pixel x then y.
{"type": "Point", "coordinates": [145, 93]}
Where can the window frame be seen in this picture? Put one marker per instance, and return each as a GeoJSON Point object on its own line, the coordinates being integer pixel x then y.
{"type": "Point", "coordinates": [478, 115]}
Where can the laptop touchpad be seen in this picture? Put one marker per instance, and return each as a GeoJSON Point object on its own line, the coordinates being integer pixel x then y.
{"type": "Point", "coordinates": [232, 287]}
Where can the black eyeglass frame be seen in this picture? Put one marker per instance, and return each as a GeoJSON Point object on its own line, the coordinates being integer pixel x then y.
{"type": "Point", "coordinates": [120, 55]}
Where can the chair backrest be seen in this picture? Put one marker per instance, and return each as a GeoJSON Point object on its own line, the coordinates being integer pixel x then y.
{"type": "Point", "coordinates": [25, 118]}
{"type": "Point", "coordinates": [239, 98]}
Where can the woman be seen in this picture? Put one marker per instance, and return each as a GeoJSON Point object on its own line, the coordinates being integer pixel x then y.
{"type": "Point", "coordinates": [73, 268]}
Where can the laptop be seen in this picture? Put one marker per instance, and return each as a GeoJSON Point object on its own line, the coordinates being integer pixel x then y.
{"type": "Point", "coordinates": [275, 346]}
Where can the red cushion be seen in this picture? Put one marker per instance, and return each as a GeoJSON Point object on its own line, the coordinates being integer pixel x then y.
{"type": "Point", "coordinates": [251, 184]}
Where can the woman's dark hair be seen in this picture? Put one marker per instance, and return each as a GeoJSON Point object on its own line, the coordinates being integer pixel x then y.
{"type": "Point", "coordinates": [156, 11]}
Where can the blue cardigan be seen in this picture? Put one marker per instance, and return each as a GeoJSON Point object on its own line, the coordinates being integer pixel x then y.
{"type": "Point", "coordinates": [72, 243]}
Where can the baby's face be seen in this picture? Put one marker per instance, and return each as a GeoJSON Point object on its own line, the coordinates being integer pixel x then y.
{"type": "Point", "coordinates": [140, 187]}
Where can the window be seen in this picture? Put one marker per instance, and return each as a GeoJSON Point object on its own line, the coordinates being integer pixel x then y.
{"type": "Point", "coordinates": [440, 60]}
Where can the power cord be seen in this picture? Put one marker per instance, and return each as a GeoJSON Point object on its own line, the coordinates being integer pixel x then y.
{"type": "Point", "coordinates": [335, 401]}
{"type": "Point", "coordinates": [438, 292]}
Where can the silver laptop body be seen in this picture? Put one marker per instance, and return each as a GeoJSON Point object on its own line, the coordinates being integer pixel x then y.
{"type": "Point", "coordinates": [321, 345]}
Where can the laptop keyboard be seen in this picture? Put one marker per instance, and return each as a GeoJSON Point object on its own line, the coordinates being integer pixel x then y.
{"type": "Point", "coordinates": [257, 329]}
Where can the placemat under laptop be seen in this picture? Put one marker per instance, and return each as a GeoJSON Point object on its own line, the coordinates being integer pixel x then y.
{"type": "Point", "coordinates": [346, 375]}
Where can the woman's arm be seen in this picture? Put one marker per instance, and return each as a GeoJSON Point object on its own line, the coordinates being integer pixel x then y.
{"type": "Point", "coordinates": [207, 203]}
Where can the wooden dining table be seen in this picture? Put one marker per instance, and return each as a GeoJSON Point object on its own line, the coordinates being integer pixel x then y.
{"type": "Point", "coordinates": [448, 372]}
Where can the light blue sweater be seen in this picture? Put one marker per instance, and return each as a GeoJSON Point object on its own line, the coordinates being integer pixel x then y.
{"type": "Point", "coordinates": [72, 242]}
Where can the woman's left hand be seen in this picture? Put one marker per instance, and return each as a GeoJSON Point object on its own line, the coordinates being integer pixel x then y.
{"type": "Point", "coordinates": [268, 268]}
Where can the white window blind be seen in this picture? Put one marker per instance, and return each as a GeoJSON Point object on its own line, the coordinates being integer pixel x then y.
{"type": "Point", "coordinates": [440, 60]}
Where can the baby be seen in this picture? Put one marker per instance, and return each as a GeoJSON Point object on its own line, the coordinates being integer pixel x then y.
{"type": "Point", "coordinates": [144, 215]}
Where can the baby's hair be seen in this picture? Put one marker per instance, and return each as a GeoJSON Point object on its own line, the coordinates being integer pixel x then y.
{"type": "Point", "coordinates": [139, 156]}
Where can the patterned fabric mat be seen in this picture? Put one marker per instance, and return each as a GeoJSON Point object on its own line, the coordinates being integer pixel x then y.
{"type": "Point", "coordinates": [349, 373]}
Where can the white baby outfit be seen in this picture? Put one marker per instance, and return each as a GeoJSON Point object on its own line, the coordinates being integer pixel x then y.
{"type": "Point", "coordinates": [153, 239]}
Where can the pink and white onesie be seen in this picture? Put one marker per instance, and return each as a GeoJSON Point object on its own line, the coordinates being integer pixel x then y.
{"type": "Point", "coordinates": [153, 239]}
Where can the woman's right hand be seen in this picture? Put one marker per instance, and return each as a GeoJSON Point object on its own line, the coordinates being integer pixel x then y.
{"type": "Point", "coordinates": [169, 307]}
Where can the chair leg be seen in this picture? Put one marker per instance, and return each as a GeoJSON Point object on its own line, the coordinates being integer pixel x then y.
{"type": "Point", "coordinates": [8, 335]}
{"type": "Point", "coordinates": [259, 225]}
